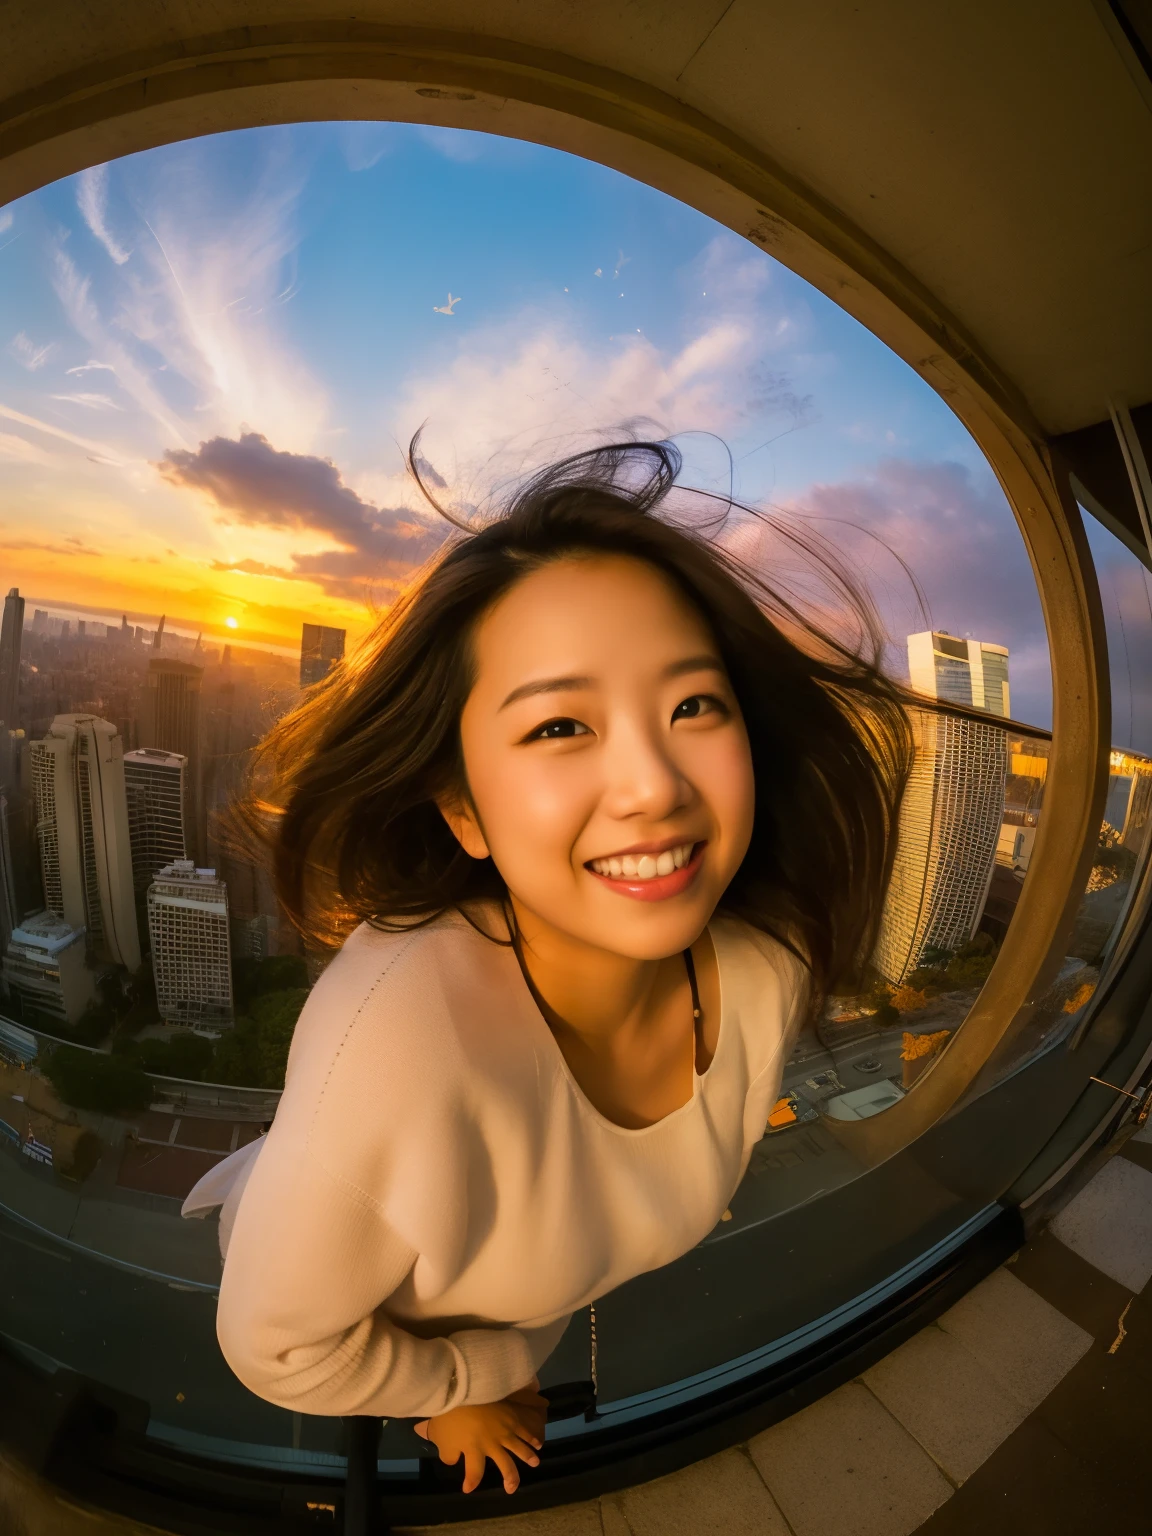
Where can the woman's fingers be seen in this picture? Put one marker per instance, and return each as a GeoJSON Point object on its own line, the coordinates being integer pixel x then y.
{"type": "Point", "coordinates": [521, 1446]}
{"type": "Point", "coordinates": [474, 1464]}
{"type": "Point", "coordinates": [507, 1468]}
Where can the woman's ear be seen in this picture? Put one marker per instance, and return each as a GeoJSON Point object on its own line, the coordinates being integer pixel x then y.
{"type": "Point", "coordinates": [461, 819]}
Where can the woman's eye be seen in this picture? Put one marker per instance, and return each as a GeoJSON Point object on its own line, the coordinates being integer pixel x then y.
{"type": "Point", "coordinates": [698, 704]}
{"type": "Point", "coordinates": [556, 730]}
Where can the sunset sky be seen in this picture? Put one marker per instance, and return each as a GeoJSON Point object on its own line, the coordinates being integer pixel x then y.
{"type": "Point", "coordinates": [211, 355]}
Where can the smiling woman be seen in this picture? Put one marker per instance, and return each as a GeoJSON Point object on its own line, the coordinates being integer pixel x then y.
{"type": "Point", "coordinates": [585, 737]}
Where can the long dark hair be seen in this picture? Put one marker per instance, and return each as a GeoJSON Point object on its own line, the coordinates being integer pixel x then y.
{"type": "Point", "coordinates": [341, 792]}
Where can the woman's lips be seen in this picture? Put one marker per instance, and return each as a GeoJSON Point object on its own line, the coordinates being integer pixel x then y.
{"type": "Point", "coordinates": [659, 887]}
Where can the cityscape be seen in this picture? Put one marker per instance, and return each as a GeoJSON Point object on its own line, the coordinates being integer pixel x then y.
{"type": "Point", "coordinates": [122, 912]}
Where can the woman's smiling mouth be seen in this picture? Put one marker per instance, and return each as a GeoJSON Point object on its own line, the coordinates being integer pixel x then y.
{"type": "Point", "coordinates": [650, 876]}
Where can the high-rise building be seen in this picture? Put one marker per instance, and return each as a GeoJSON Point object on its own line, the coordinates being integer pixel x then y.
{"type": "Point", "coordinates": [950, 824]}
{"type": "Point", "coordinates": [77, 774]}
{"type": "Point", "coordinates": [44, 966]}
{"type": "Point", "coordinates": [11, 638]}
{"type": "Point", "coordinates": [172, 721]}
{"type": "Point", "coordinates": [972, 672]}
{"type": "Point", "coordinates": [191, 961]}
{"type": "Point", "coordinates": [9, 911]}
{"type": "Point", "coordinates": [320, 649]}
{"type": "Point", "coordinates": [154, 782]}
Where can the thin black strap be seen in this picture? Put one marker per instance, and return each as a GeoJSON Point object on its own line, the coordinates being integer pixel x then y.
{"type": "Point", "coordinates": [696, 1025]}
{"type": "Point", "coordinates": [688, 961]}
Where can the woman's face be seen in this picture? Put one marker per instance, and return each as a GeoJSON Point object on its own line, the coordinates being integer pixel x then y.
{"type": "Point", "coordinates": [606, 757]}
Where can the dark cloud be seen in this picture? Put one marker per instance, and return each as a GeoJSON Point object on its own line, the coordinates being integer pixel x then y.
{"type": "Point", "coordinates": [261, 485]}
{"type": "Point", "coordinates": [958, 536]}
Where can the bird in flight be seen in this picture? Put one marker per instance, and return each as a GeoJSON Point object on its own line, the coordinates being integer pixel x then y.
{"type": "Point", "coordinates": [446, 309]}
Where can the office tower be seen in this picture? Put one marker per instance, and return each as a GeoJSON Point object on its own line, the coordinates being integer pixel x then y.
{"type": "Point", "coordinates": [65, 629]}
{"type": "Point", "coordinates": [11, 638]}
{"type": "Point", "coordinates": [77, 774]}
{"type": "Point", "coordinates": [950, 823]}
{"type": "Point", "coordinates": [82, 628]}
{"type": "Point", "coordinates": [40, 621]}
{"type": "Point", "coordinates": [44, 966]}
{"type": "Point", "coordinates": [971, 672]}
{"type": "Point", "coordinates": [154, 782]}
{"type": "Point", "coordinates": [191, 961]}
{"type": "Point", "coordinates": [172, 722]}
{"type": "Point", "coordinates": [320, 649]}
{"type": "Point", "coordinates": [9, 912]}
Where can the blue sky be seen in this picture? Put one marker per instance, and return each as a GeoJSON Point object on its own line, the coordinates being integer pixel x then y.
{"type": "Point", "coordinates": [273, 295]}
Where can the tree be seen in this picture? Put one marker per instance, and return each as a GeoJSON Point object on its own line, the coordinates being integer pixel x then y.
{"type": "Point", "coordinates": [93, 1025]}
{"type": "Point", "coordinates": [88, 1080]}
{"type": "Point", "coordinates": [252, 978]}
{"type": "Point", "coordinates": [255, 1053]}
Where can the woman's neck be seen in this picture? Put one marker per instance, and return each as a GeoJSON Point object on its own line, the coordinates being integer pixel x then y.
{"type": "Point", "coordinates": [587, 991]}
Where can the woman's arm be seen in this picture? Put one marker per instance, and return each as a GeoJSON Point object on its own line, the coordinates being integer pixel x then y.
{"type": "Point", "coordinates": [309, 1263]}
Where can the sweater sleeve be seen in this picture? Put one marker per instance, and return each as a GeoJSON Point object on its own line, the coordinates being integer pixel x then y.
{"type": "Point", "coordinates": [300, 1319]}
{"type": "Point", "coordinates": [369, 1171]}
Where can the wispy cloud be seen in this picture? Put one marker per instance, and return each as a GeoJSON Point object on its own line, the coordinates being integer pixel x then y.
{"type": "Point", "coordinates": [365, 144]}
{"type": "Point", "coordinates": [92, 200]}
{"type": "Point", "coordinates": [18, 450]}
{"type": "Point", "coordinates": [89, 368]}
{"type": "Point", "coordinates": [460, 144]}
{"type": "Point", "coordinates": [191, 326]}
{"type": "Point", "coordinates": [74, 291]}
{"type": "Point", "coordinates": [27, 353]}
{"type": "Point", "coordinates": [101, 452]}
{"type": "Point", "coordinates": [6, 220]}
{"type": "Point", "coordinates": [70, 547]}
{"type": "Point", "coordinates": [91, 402]}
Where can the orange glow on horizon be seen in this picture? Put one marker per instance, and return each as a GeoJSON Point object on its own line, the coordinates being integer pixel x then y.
{"type": "Point", "coordinates": [182, 589]}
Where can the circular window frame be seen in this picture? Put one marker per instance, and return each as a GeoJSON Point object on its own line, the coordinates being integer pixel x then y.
{"type": "Point", "coordinates": [327, 71]}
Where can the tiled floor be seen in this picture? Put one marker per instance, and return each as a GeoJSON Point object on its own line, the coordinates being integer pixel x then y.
{"type": "Point", "coordinates": [1022, 1409]}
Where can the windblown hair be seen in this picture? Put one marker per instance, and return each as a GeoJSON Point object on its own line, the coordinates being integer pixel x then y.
{"type": "Point", "coordinates": [341, 793]}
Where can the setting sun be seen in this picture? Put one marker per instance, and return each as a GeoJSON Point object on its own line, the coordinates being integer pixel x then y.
{"type": "Point", "coordinates": [232, 623]}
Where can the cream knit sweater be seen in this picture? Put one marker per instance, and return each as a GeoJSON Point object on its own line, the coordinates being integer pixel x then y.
{"type": "Point", "coordinates": [436, 1196]}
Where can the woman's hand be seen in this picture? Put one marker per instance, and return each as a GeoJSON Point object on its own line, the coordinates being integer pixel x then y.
{"type": "Point", "coordinates": [512, 1427]}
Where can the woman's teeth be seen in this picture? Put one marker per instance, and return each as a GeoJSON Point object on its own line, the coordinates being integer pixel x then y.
{"type": "Point", "coordinates": [644, 866]}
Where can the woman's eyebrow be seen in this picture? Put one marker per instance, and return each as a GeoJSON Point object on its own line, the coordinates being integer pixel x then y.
{"type": "Point", "coordinates": [546, 685]}
{"type": "Point", "coordinates": [564, 684]}
{"type": "Point", "coordinates": [704, 663]}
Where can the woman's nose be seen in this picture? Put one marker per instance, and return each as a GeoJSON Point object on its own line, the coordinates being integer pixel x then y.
{"type": "Point", "coordinates": [641, 775]}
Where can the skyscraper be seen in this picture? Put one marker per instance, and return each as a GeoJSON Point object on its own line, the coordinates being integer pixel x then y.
{"type": "Point", "coordinates": [972, 672]}
{"type": "Point", "coordinates": [154, 781]}
{"type": "Point", "coordinates": [11, 638]}
{"type": "Point", "coordinates": [172, 722]}
{"type": "Point", "coordinates": [77, 773]}
{"type": "Point", "coordinates": [44, 966]}
{"type": "Point", "coordinates": [9, 912]}
{"type": "Point", "coordinates": [950, 824]}
{"type": "Point", "coordinates": [320, 649]}
{"type": "Point", "coordinates": [188, 927]}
